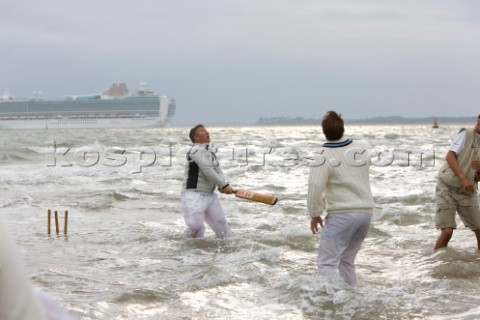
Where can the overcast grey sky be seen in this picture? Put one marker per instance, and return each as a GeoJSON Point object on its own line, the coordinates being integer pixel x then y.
{"type": "Point", "coordinates": [238, 60]}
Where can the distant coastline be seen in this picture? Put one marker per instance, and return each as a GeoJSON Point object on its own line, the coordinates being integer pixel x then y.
{"type": "Point", "coordinates": [376, 120]}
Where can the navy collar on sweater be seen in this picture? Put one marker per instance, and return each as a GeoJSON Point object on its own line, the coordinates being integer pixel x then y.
{"type": "Point", "coordinates": [337, 144]}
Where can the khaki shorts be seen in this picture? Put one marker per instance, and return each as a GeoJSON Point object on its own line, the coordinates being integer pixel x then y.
{"type": "Point", "coordinates": [449, 201]}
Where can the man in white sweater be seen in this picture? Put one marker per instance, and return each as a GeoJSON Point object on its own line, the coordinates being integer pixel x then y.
{"type": "Point", "coordinates": [339, 184]}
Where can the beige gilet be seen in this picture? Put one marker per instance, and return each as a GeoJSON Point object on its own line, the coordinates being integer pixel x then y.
{"type": "Point", "coordinates": [469, 152]}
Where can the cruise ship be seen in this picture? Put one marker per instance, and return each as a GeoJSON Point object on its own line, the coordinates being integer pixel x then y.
{"type": "Point", "coordinates": [117, 107]}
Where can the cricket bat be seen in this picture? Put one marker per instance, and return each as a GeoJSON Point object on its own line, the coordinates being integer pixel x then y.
{"type": "Point", "coordinates": [257, 197]}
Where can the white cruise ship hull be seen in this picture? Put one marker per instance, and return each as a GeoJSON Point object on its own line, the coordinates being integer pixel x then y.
{"type": "Point", "coordinates": [82, 123]}
{"type": "Point", "coordinates": [116, 108]}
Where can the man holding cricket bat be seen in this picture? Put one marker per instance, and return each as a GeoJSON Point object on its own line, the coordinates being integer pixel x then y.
{"type": "Point", "coordinates": [202, 176]}
{"type": "Point", "coordinates": [339, 184]}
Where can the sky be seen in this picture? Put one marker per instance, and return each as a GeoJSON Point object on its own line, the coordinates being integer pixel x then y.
{"type": "Point", "coordinates": [234, 61]}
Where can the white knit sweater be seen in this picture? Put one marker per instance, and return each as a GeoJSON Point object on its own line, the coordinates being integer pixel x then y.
{"type": "Point", "coordinates": [339, 179]}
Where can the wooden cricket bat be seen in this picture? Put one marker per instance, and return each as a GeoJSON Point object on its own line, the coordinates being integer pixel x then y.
{"type": "Point", "coordinates": [257, 197]}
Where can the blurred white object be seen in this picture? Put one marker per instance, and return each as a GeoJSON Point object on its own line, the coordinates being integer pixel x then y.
{"type": "Point", "coordinates": [18, 299]}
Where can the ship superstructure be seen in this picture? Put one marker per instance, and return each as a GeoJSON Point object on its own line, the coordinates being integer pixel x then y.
{"type": "Point", "coordinates": [115, 108]}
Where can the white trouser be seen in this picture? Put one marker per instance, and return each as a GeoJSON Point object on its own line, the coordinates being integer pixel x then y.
{"type": "Point", "coordinates": [202, 207]}
{"type": "Point", "coordinates": [340, 242]}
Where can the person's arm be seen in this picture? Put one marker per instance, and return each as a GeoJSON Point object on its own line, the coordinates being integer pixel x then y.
{"type": "Point", "coordinates": [476, 166]}
{"type": "Point", "coordinates": [317, 182]}
{"type": "Point", "coordinates": [227, 188]}
{"type": "Point", "coordinates": [453, 163]}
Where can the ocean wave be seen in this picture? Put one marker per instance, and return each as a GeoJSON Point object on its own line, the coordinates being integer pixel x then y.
{"type": "Point", "coordinates": [457, 270]}
{"type": "Point", "coordinates": [12, 158]}
{"type": "Point", "coordinates": [126, 255]}
{"type": "Point", "coordinates": [144, 296]}
{"type": "Point", "coordinates": [119, 196]}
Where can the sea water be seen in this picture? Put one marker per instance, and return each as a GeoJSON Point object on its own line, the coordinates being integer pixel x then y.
{"type": "Point", "coordinates": [125, 255]}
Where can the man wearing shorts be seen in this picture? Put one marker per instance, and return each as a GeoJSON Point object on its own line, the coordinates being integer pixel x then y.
{"type": "Point", "coordinates": [456, 189]}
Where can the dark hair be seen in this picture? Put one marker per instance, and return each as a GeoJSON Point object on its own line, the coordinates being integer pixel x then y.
{"type": "Point", "coordinates": [332, 125]}
{"type": "Point", "coordinates": [193, 132]}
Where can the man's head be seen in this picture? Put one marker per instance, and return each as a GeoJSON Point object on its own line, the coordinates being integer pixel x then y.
{"type": "Point", "coordinates": [332, 125]}
{"type": "Point", "coordinates": [199, 134]}
{"type": "Point", "coordinates": [477, 125]}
